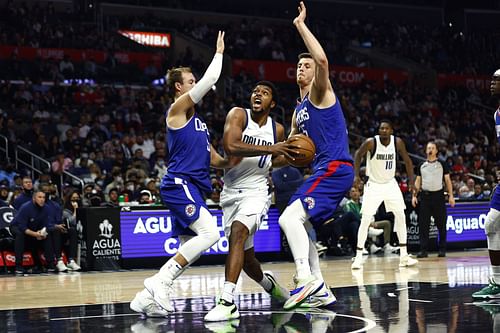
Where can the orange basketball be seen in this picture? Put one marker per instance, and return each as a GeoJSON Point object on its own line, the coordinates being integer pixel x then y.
{"type": "Point", "coordinates": [306, 148]}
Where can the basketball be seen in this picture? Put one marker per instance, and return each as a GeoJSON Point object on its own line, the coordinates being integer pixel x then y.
{"type": "Point", "coordinates": [306, 148]}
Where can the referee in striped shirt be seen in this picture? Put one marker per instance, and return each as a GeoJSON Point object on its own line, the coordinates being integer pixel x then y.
{"type": "Point", "coordinates": [429, 182]}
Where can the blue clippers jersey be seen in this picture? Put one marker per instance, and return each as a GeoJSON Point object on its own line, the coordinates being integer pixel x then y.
{"type": "Point", "coordinates": [326, 127]}
{"type": "Point", "coordinates": [189, 153]}
{"type": "Point", "coordinates": [497, 123]}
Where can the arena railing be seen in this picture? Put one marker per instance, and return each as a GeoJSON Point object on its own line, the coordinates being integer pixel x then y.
{"type": "Point", "coordinates": [4, 147]}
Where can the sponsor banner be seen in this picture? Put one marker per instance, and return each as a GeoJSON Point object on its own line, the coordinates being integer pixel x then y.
{"type": "Point", "coordinates": [79, 55]}
{"type": "Point", "coordinates": [479, 82]}
{"type": "Point", "coordinates": [464, 223]}
{"type": "Point", "coordinates": [101, 232]}
{"type": "Point", "coordinates": [146, 233]}
{"type": "Point", "coordinates": [155, 39]}
{"type": "Point", "coordinates": [280, 71]}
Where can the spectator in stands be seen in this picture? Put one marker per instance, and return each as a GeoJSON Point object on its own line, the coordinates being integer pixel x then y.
{"type": "Point", "coordinates": [71, 203]}
{"type": "Point", "coordinates": [145, 197]}
{"type": "Point", "coordinates": [478, 193]}
{"type": "Point", "coordinates": [61, 163]}
{"type": "Point", "coordinates": [112, 198]}
{"type": "Point", "coordinates": [66, 68]}
{"type": "Point", "coordinates": [286, 181]}
{"type": "Point", "coordinates": [5, 194]}
{"type": "Point", "coordinates": [54, 226]}
{"type": "Point", "coordinates": [28, 228]}
{"type": "Point", "coordinates": [26, 194]}
{"type": "Point", "coordinates": [8, 173]}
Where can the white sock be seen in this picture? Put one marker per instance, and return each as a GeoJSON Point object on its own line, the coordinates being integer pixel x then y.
{"type": "Point", "coordinates": [171, 270]}
{"type": "Point", "coordinates": [303, 268]}
{"type": "Point", "coordinates": [228, 292]}
{"type": "Point", "coordinates": [266, 283]}
{"type": "Point", "coordinates": [403, 251]}
{"type": "Point", "coordinates": [359, 253]}
{"type": "Point", "coordinates": [495, 273]}
{"type": "Point", "coordinates": [314, 261]}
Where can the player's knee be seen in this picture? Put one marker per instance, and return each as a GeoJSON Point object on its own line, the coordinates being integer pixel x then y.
{"type": "Point", "coordinates": [239, 232]}
{"type": "Point", "coordinates": [293, 213]}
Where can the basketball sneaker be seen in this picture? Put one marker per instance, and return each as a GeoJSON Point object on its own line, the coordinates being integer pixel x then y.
{"type": "Point", "coordinates": [374, 249]}
{"type": "Point", "coordinates": [324, 297]}
{"type": "Point", "coordinates": [160, 290]}
{"type": "Point", "coordinates": [492, 290]}
{"type": "Point", "coordinates": [357, 262]}
{"type": "Point", "coordinates": [144, 303]}
{"type": "Point", "coordinates": [277, 292]}
{"type": "Point", "coordinates": [388, 248]}
{"type": "Point", "coordinates": [305, 288]}
{"type": "Point", "coordinates": [407, 261]}
{"type": "Point", "coordinates": [61, 267]}
{"type": "Point", "coordinates": [73, 266]}
{"type": "Point", "coordinates": [223, 326]}
{"type": "Point", "coordinates": [223, 311]}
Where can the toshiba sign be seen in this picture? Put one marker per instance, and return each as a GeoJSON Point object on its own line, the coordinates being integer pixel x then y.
{"type": "Point", "coordinates": [155, 39]}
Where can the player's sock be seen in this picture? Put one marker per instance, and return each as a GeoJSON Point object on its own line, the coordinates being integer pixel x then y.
{"type": "Point", "coordinates": [228, 291]}
{"type": "Point", "coordinates": [303, 268]}
{"type": "Point", "coordinates": [170, 270]}
{"type": "Point", "coordinates": [266, 283]}
{"type": "Point", "coordinates": [403, 251]}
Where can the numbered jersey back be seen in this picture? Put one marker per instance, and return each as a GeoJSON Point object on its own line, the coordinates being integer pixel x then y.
{"type": "Point", "coordinates": [381, 166]}
{"type": "Point", "coordinates": [252, 172]}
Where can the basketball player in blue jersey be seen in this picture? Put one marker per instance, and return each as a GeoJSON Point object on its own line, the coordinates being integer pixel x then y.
{"type": "Point", "coordinates": [492, 224]}
{"type": "Point", "coordinates": [185, 183]}
{"type": "Point", "coordinates": [320, 117]}
{"type": "Point", "coordinates": [254, 137]}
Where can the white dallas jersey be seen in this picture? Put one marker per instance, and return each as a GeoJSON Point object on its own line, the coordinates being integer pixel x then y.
{"type": "Point", "coordinates": [252, 172]}
{"type": "Point", "coordinates": [381, 167]}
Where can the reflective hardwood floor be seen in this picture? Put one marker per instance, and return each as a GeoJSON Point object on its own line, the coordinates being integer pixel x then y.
{"type": "Point", "coordinates": [435, 296]}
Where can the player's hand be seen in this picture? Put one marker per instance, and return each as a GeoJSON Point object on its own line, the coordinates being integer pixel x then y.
{"type": "Point", "coordinates": [302, 14]}
{"type": "Point", "coordinates": [283, 148]}
{"type": "Point", "coordinates": [358, 183]}
{"type": "Point", "coordinates": [40, 236]}
{"type": "Point", "coordinates": [414, 201]}
{"type": "Point", "coordinates": [220, 42]}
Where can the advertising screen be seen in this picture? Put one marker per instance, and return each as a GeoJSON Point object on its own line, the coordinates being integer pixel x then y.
{"type": "Point", "coordinates": [465, 221]}
{"type": "Point", "coordinates": [146, 233]}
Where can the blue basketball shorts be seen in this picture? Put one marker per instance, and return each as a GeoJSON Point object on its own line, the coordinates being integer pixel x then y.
{"type": "Point", "coordinates": [184, 201]}
{"type": "Point", "coordinates": [324, 190]}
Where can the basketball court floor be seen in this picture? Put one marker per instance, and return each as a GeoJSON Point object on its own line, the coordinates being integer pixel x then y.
{"type": "Point", "coordinates": [435, 296]}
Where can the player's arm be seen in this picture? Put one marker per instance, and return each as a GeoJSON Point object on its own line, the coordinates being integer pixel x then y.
{"type": "Point", "coordinates": [400, 145]}
{"type": "Point", "coordinates": [366, 146]}
{"type": "Point", "coordinates": [234, 146]}
{"type": "Point", "coordinates": [219, 162]}
{"type": "Point", "coordinates": [449, 188]}
{"type": "Point", "coordinates": [321, 93]}
{"type": "Point", "coordinates": [294, 129]}
{"type": "Point", "coordinates": [177, 116]}
{"type": "Point", "coordinates": [280, 160]}
{"type": "Point", "coordinates": [418, 184]}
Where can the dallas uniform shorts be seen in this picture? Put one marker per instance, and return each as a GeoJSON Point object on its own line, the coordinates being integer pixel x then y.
{"type": "Point", "coordinates": [247, 206]}
{"type": "Point", "coordinates": [322, 192]}
{"type": "Point", "coordinates": [375, 193]}
{"type": "Point", "coordinates": [184, 201]}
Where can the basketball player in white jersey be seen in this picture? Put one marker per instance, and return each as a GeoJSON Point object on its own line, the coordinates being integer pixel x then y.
{"type": "Point", "coordinates": [252, 136]}
{"type": "Point", "coordinates": [381, 152]}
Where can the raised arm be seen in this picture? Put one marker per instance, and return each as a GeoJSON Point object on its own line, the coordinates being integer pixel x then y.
{"type": "Point", "coordinates": [321, 93]}
{"type": "Point", "coordinates": [178, 114]}
{"type": "Point", "coordinates": [358, 159]}
{"type": "Point", "coordinates": [400, 145]}
{"type": "Point", "coordinates": [294, 129]}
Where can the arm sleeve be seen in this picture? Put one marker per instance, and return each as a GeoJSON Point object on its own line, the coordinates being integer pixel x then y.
{"type": "Point", "coordinates": [208, 80]}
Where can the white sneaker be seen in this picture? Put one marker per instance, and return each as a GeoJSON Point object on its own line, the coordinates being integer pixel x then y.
{"type": "Point", "coordinates": [407, 261]}
{"type": "Point", "coordinates": [324, 297]}
{"type": "Point", "coordinates": [222, 311]}
{"type": "Point", "coordinates": [61, 267]}
{"type": "Point", "coordinates": [388, 248]}
{"type": "Point", "coordinates": [144, 303]}
{"type": "Point", "coordinates": [365, 252]}
{"type": "Point", "coordinates": [320, 247]}
{"type": "Point", "coordinates": [304, 289]}
{"type": "Point", "coordinates": [374, 232]}
{"type": "Point", "coordinates": [357, 263]}
{"type": "Point", "coordinates": [73, 266]}
{"type": "Point", "coordinates": [374, 249]}
{"type": "Point", "coordinates": [160, 290]}
{"type": "Point", "coordinates": [277, 292]}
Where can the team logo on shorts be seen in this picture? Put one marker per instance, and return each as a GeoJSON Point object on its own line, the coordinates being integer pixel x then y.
{"type": "Point", "coordinates": [190, 210]}
{"type": "Point", "coordinates": [310, 202]}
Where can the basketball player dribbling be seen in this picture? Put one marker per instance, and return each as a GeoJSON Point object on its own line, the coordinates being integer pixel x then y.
{"type": "Point", "coordinates": [255, 136]}
{"type": "Point", "coordinates": [319, 116]}
{"type": "Point", "coordinates": [187, 178]}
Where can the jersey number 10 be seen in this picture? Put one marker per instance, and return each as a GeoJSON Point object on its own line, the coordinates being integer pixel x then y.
{"type": "Point", "coordinates": [388, 165]}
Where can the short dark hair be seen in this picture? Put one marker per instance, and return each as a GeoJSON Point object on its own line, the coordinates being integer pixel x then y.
{"type": "Point", "coordinates": [387, 121]}
{"type": "Point", "coordinates": [306, 55]}
{"type": "Point", "coordinates": [271, 86]}
{"type": "Point", "coordinates": [432, 143]}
